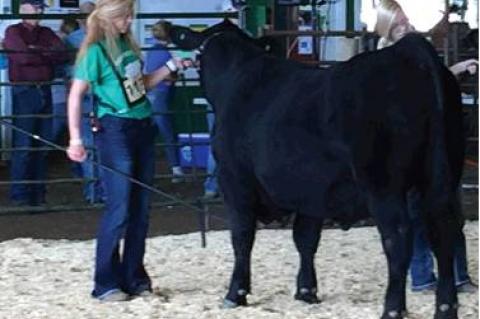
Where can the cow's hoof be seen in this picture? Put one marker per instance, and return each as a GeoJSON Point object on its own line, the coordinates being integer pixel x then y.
{"type": "Point", "coordinates": [445, 311]}
{"type": "Point", "coordinates": [393, 314]}
{"type": "Point", "coordinates": [229, 304]}
{"type": "Point", "coordinates": [308, 297]}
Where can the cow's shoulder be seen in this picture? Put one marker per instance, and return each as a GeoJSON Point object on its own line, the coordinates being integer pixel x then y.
{"type": "Point", "coordinates": [415, 39]}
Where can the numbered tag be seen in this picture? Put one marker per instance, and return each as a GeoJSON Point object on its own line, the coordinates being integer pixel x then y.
{"type": "Point", "coordinates": [135, 89]}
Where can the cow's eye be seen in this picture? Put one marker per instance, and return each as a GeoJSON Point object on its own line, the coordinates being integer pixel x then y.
{"type": "Point", "coordinates": [182, 36]}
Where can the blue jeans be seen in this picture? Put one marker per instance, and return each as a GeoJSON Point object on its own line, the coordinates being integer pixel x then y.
{"type": "Point", "coordinates": [3, 61]}
{"type": "Point", "coordinates": [160, 101]}
{"type": "Point", "coordinates": [30, 165]}
{"type": "Point", "coordinates": [126, 145]}
{"type": "Point", "coordinates": [59, 122]}
{"type": "Point", "coordinates": [211, 184]}
{"type": "Point", "coordinates": [421, 265]}
{"type": "Point", "coordinates": [93, 190]}
{"type": "Point", "coordinates": [59, 126]}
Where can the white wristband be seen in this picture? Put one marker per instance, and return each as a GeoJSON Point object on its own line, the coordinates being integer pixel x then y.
{"type": "Point", "coordinates": [76, 142]}
{"type": "Point", "coordinates": [171, 65]}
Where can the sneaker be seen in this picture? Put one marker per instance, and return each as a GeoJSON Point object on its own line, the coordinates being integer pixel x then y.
{"type": "Point", "coordinates": [425, 288]}
{"type": "Point", "coordinates": [19, 202]}
{"type": "Point", "coordinates": [96, 200]}
{"type": "Point", "coordinates": [28, 202]}
{"type": "Point", "coordinates": [114, 295]}
{"type": "Point", "coordinates": [178, 175]}
{"type": "Point", "coordinates": [468, 287]}
{"type": "Point", "coordinates": [208, 195]}
{"type": "Point", "coordinates": [145, 293]}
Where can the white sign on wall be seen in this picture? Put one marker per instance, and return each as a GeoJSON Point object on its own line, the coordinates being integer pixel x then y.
{"type": "Point", "coordinates": [305, 43]}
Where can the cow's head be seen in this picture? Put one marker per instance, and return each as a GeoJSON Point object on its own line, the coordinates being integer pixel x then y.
{"type": "Point", "coordinates": [187, 39]}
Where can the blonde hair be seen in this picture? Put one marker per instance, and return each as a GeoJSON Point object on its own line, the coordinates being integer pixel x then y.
{"type": "Point", "coordinates": [161, 29]}
{"type": "Point", "coordinates": [100, 27]}
{"type": "Point", "coordinates": [387, 10]}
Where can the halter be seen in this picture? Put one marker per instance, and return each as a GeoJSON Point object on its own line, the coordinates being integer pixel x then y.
{"type": "Point", "coordinates": [201, 48]}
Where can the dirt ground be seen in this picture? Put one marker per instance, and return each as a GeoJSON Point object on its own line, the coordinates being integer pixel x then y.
{"type": "Point", "coordinates": [49, 279]}
{"type": "Point", "coordinates": [81, 223]}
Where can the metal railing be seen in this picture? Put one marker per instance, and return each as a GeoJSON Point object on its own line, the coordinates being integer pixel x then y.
{"type": "Point", "coordinates": [196, 174]}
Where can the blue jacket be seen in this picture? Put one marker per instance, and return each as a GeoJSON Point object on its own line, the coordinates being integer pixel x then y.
{"type": "Point", "coordinates": [155, 59]}
{"type": "Point", "coordinates": [75, 38]}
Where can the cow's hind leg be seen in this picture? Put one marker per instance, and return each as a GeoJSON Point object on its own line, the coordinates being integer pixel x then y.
{"type": "Point", "coordinates": [393, 222]}
{"type": "Point", "coordinates": [444, 230]}
{"type": "Point", "coordinates": [306, 235]}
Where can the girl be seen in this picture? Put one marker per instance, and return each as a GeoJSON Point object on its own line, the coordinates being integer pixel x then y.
{"type": "Point", "coordinates": [162, 95]}
{"type": "Point", "coordinates": [109, 63]}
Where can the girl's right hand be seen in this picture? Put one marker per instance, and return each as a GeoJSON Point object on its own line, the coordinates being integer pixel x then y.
{"type": "Point", "coordinates": [187, 63]}
{"type": "Point", "coordinates": [77, 153]}
{"type": "Point", "coordinates": [183, 64]}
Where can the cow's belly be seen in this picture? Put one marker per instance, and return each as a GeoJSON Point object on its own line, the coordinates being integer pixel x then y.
{"type": "Point", "coordinates": [292, 171]}
{"type": "Point", "coordinates": [309, 180]}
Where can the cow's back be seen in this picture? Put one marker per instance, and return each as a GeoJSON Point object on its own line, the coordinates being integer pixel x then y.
{"type": "Point", "coordinates": [401, 119]}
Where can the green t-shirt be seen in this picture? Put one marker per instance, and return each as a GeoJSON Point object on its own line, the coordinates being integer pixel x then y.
{"type": "Point", "coordinates": [95, 69]}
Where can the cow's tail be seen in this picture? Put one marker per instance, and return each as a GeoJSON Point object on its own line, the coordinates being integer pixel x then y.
{"type": "Point", "coordinates": [445, 151]}
{"type": "Point", "coordinates": [443, 162]}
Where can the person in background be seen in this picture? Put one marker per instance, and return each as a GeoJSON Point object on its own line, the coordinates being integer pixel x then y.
{"type": "Point", "coordinates": [109, 63]}
{"type": "Point", "coordinates": [76, 37]}
{"type": "Point", "coordinates": [161, 96]}
{"type": "Point", "coordinates": [43, 49]}
{"type": "Point", "coordinates": [93, 189]}
{"type": "Point", "coordinates": [68, 26]}
{"type": "Point", "coordinates": [3, 65]}
{"type": "Point", "coordinates": [59, 91]}
{"type": "Point", "coordinates": [3, 58]}
{"type": "Point", "coordinates": [392, 25]}
{"type": "Point", "coordinates": [210, 186]}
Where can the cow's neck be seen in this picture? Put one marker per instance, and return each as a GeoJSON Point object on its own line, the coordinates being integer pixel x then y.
{"type": "Point", "coordinates": [223, 60]}
{"type": "Point", "coordinates": [219, 64]}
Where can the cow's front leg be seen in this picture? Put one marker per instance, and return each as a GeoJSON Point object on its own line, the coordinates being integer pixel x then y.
{"type": "Point", "coordinates": [306, 235]}
{"type": "Point", "coordinates": [394, 225]}
{"type": "Point", "coordinates": [243, 225]}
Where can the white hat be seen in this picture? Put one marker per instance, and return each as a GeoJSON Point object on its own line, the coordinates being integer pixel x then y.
{"type": "Point", "coordinates": [227, 6]}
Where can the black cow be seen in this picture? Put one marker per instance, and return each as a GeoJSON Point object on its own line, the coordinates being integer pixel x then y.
{"type": "Point", "coordinates": [338, 143]}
